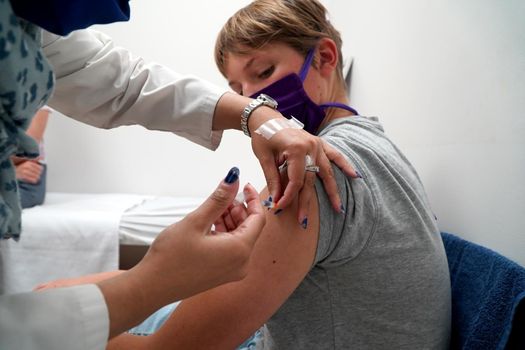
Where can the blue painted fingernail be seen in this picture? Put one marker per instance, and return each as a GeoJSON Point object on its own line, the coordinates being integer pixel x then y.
{"type": "Point", "coordinates": [233, 175]}
{"type": "Point", "coordinates": [270, 202]}
{"type": "Point", "coordinates": [342, 209]}
{"type": "Point", "coordinates": [278, 211]}
{"type": "Point", "coordinates": [358, 174]}
{"type": "Point", "coordinates": [304, 223]}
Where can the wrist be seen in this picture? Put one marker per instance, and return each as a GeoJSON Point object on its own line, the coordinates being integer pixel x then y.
{"type": "Point", "coordinates": [256, 104]}
{"type": "Point", "coordinates": [261, 116]}
{"type": "Point", "coordinates": [126, 301]}
{"type": "Point", "coordinates": [230, 107]}
{"type": "Point", "coordinates": [228, 110]}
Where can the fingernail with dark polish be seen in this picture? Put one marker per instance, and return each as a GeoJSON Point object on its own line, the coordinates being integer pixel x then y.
{"type": "Point", "coordinates": [342, 208]}
{"type": "Point", "coordinates": [278, 211]}
{"type": "Point", "coordinates": [358, 174]}
{"type": "Point", "coordinates": [233, 175]}
{"type": "Point", "coordinates": [270, 202]}
{"type": "Point", "coordinates": [304, 223]}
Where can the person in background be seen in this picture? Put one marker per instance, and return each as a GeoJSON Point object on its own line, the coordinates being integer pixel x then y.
{"type": "Point", "coordinates": [31, 174]}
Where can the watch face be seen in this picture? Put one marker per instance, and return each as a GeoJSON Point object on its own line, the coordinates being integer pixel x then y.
{"type": "Point", "coordinates": [270, 101]}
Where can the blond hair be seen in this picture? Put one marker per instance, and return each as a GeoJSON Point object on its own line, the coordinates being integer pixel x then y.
{"type": "Point", "coordinates": [297, 23]}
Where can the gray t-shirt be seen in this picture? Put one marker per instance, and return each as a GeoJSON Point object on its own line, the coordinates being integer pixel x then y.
{"type": "Point", "coordinates": [380, 278]}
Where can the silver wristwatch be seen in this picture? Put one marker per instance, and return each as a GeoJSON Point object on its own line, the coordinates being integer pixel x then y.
{"type": "Point", "coordinates": [261, 100]}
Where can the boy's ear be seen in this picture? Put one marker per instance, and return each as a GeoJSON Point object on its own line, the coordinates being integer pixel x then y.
{"type": "Point", "coordinates": [328, 56]}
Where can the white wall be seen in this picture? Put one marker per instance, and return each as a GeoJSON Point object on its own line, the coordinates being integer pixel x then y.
{"type": "Point", "coordinates": [181, 35]}
{"type": "Point", "coordinates": [446, 77]}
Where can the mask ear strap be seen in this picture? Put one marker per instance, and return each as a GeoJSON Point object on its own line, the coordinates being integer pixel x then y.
{"type": "Point", "coordinates": [338, 105]}
{"type": "Point", "coordinates": [307, 63]}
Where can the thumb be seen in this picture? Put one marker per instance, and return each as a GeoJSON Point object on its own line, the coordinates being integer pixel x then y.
{"type": "Point", "coordinates": [215, 205]}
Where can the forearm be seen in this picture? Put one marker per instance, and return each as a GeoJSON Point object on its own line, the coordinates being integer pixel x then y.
{"type": "Point", "coordinates": [99, 277]}
{"type": "Point", "coordinates": [130, 299]}
{"type": "Point", "coordinates": [126, 341]}
{"type": "Point", "coordinates": [217, 319]}
{"type": "Point", "coordinates": [87, 279]}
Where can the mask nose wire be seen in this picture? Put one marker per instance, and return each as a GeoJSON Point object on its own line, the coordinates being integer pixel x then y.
{"type": "Point", "coordinates": [307, 63]}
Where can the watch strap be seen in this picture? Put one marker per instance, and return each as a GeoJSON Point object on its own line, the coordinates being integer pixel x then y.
{"type": "Point", "coordinates": [261, 100]}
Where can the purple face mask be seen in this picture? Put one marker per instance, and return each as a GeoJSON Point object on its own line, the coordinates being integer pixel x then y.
{"type": "Point", "coordinates": [293, 100]}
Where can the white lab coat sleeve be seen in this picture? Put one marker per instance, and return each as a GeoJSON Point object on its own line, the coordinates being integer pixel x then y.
{"type": "Point", "coordinates": [74, 318]}
{"type": "Point", "coordinates": [104, 85]}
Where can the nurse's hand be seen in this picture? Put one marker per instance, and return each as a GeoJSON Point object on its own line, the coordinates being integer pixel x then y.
{"type": "Point", "coordinates": [292, 146]}
{"type": "Point", "coordinates": [202, 258]}
{"type": "Point", "coordinates": [187, 258]}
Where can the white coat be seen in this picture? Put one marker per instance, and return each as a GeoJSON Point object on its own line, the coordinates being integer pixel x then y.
{"type": "Point", "coordinates": [105, 86]}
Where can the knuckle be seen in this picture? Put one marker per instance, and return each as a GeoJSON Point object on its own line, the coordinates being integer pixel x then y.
{"type": "Point", "coordinates": [272, 182]}
{"type": "Point", "coordinates": [301, 145]}
{"type": "Point", "coordinates": [329, 172]}
{"type": "Point", "coordinates": [310, 146]}
{"type": "Point", "coordinates": [192, 219]}
{"type": "Point", "coordinates": [314, 142]}
{"type": "Point", "coordinates": [297, 185]}
{"type": "Point", "coordinates": [220, 196]}
{"type": "Point", "coordinates": [265, 159]}
{"type": "Point", "coordinates": [270, 185]}
{"type": "Point", "coordinates": [310, 181]}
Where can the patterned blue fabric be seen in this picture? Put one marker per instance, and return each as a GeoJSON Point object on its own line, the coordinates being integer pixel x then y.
{"type": "Point", "coordinates": [26, 83]}
{"type": "Point", "coordinates": [157, 319]}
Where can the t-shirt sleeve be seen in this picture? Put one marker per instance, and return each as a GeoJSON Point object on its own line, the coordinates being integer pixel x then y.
{"type": "Point", "coordinates": [342, 236]}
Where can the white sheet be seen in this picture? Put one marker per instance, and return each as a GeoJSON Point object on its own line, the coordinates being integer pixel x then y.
{"type": "Point", "coordinates": [70, 235]}
{"type": "Point", "coordinates": [142, 223]}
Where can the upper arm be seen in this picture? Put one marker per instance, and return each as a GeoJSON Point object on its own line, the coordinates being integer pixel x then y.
{"type": "Point", "coordinates": [70, 54]}
{"type": "Point", "coordinates": [225, 316]}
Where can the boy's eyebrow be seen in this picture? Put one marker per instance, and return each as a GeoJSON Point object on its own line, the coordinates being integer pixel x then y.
{"type": "Point", "coordinates": [246, 66]}
{"type": "Point", "coordinates": [249, 63]}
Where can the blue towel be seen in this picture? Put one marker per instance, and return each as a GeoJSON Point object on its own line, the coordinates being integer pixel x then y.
{"type": "Point", "coordinates": [488, 297]}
